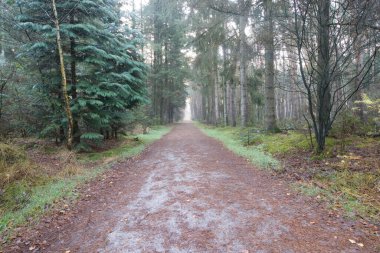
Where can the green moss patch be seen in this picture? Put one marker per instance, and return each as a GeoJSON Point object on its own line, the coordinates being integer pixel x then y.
{"type": "Point", "coordinates": [231, 138]}
{"type": "Point", "coordinates": [29, 197]}
{"type": "Point", "coordinates": [346, 175]}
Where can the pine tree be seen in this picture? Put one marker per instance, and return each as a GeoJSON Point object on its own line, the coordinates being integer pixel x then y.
{"type": "Point", "coordinates": [168, 89]}
{"type": "Point", "coordinates": [106, 72]}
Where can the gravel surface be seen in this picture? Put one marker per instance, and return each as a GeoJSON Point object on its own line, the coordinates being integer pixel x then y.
{"type": "Point", "coordinates": [188, 193]}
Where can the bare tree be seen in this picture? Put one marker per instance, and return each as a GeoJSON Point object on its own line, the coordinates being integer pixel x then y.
{"type": "Point", "coordinates": [326, 48]}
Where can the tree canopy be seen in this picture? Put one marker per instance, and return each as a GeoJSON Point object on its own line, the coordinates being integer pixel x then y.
{"type": "Point", "coordinates": [263, 63]}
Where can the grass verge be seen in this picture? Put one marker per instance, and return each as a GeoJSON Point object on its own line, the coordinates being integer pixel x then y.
{"type": "Point", "coordinates": [231, 138]}
{"type": "Point", "coordinates": [347, 179]}
{"type": "Point", "coordinates": [354, 192]}
{"type": "Point", "coordinates": [35, 196]}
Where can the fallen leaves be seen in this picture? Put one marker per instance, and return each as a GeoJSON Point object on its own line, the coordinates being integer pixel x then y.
{"type": "Point", "coordinates": [352, 241]}
{"type": "Point", "coordinates": [350, 157]}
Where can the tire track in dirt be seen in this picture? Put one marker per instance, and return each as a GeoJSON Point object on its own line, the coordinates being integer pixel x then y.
{"type": "Point", "coordinates": [189, 194]}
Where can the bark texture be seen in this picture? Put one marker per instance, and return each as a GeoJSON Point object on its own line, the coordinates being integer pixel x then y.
{"type": "Point", "coordinates": [242, 55]}
{"type": "Point", "coordinates": [69, 115]}
{"type": "Point", "coordinates": [324, 77]}
{"type": "Point", "coordinates": [270, 112]}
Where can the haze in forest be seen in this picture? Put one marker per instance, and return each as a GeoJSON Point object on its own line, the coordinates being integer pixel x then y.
{"type": "Point", "coordinates": [290, 90]}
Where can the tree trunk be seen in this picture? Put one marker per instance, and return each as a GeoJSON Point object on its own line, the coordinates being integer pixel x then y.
{"type": "Point", "coordinates": [226, 105]}
{"type": "Point", "coordinates": [216, 83]}
{"type": "Point", "coordinates": [74, 94]}
{"type": "Point", "coordinates": [296, 97]}
{"type": "Point", "coordinates": [270, 112]}
{"type": "Point", "coordinates": [242, 56]}
{"type": "Point", "coordinates": [233, 103]}
{"type": "Point", "coordinates": [157, 61]}
{"type": "Point", "coordinates": [204, 105]}
{"type": "Point", "coordinates": [210, 114]}
{"type": "Point", "coordinates": [324, 78]}
{"type": "Point", "coordinates": [63, 80]}
{"type": "Point", "coordinates": [1, 99]}
{"type": "Point", "coordinates": [358, 97]}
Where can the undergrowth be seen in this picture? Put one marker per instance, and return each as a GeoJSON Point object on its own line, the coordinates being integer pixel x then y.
{"type": "Point", "coordinates": [31, 193]}
{"type": "Point", "coordinates": [353, 191]}
{"type": "Point", "coordinates": [230, 137]}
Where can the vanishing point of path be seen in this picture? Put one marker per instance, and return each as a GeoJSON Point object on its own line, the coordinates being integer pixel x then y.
{"type": "Point", "coordinates": [187, 193]}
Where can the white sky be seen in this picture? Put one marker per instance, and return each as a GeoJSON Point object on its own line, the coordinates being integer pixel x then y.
{"type": "Point", "coordinates": [128, 5]}
{"type": "Point", "coordinates": [187, 112]}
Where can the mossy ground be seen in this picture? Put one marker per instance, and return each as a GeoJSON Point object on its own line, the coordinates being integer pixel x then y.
{"type": "Point", "coordinates": [37, 186]}
{"type": "Point", "coordinates": [232, 138]}
{"type": "Point", "coordinates": [346, 175]}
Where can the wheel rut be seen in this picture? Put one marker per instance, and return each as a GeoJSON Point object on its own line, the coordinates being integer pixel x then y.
{"type": "Point", "coordinates": [188, 193]}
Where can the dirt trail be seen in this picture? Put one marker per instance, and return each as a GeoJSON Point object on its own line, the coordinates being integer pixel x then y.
{"type": "Point", "coordinates": [187, 193]}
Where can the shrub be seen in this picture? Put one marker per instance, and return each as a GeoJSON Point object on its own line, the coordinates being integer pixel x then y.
{"type": "Point", "coordinates": [14, 165]}
{"type": "Point", "coordinates": [10, 155]}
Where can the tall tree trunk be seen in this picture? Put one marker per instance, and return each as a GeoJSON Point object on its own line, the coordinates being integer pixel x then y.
{"type": "Point", "coordinates": [233, 102]}
{"type": "Point", "coordinates": [292, 72]}
{"type": "Point", "coordinates": [204, 105]}
{"type": "Point", "coordinates": [142, 26]}
{"type": "Point", "coordinates": [358, 95]}
{"type": "Point", "coordinates": [216, 90]}
{"type": "Point", "coordinates": [270, 112]}
{"type": "Point", "coordinates": [63, 80]}
{"type": "Point", "coordinates": [324, 78]}
{"type": "Point", "coordinates": [157, 61]}
{"type": "Point", "coordinates": [242, 56]}
{"type": "Point", "coordinates": [74, 82]}
{"type": "Point", "coordinates": [165, 111]}
{"type": "Point", "coordinates": [226, 105]}
{"type": "Point", "coordinates": [211, 100]}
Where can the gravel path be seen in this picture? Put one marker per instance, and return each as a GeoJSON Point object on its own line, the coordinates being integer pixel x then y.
{"type": "Point", "coordinates": [188, 193]}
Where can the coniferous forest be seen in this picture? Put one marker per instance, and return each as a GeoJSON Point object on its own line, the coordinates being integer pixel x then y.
{"type": "Point", "coordinates": [292, 86]}
{"type": "Point", "coordinates": [242, 63]}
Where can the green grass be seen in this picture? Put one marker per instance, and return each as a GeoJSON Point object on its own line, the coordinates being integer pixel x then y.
{"type": "Point", "coordinates": [262, 145]}
{"type": "Point", "coordinates": [284, 143]}
{"type": "Point", "coordinates": [354, 192]}
{"type": "Point", "coordinates": [230, 137]}
{"type": "Point", "coordinates": [131, 149]}
{"type": "Point", "coordinates": [33, 199]}
{"type": "Point", "coordinates": [308, 189]}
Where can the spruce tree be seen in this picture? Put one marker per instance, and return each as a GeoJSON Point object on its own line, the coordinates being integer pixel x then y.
{"type": "Point", "coordinates": [106, 72]}
{"type": "Point", "coordinates": [167, 25]}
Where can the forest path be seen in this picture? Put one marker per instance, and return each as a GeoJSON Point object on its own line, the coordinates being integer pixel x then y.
{"type": "Point", "coordinates": [188, 193]}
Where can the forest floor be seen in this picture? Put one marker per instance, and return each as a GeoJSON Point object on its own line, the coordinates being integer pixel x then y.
{"type": "Point", "coordinates": [188, 193]}
{"type": "Point", "coordinates": [37, 176]}
{"type": "Point", "coordinates": [346, 175]}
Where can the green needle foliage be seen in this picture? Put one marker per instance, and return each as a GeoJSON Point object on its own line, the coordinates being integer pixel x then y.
{"type": "Point", "coordinates": [105, 71]}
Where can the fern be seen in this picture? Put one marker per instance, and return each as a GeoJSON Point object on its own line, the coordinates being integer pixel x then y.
{"type": "Point", "coordinates": [92, 136]}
